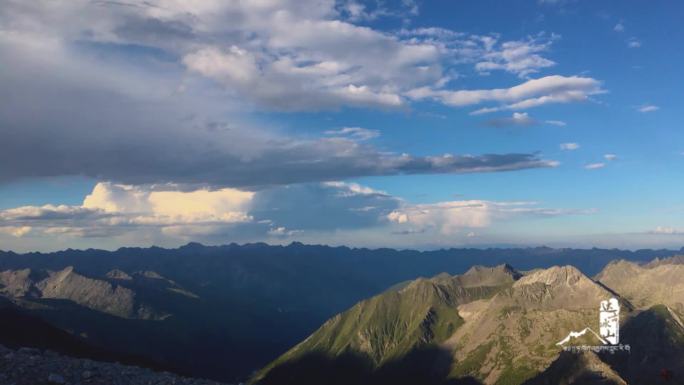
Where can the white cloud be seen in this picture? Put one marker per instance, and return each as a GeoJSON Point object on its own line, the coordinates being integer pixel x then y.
{"type": "Point", "coordinates": [532, 93]}
{"type": "Point", "coordinates": [619, 27]}
{"type": "Point", "coordinates": [163, 214]}
{"type": "Point", "coordinates": [647, 108]}
{"type": "Point", "coordinates": [569, 146]}
{"type": "Point", "coordinates": [667, 230]}
{"type": "Point", "coordinates": [147, 206]}
{"type": "Point", "coordinates": [610, 157]}
{"type": "Point", "coordinates": [113, 209]}
{"type": "Point", "coordinates": [595, 166]}
{"type": "Point", "coordinates": [15, 231]}
{"type": "Point", "coordinates": [519, 57]}
{"type": "Point", "coordinates": [456, 216]}
{"type": "Point", "coordinates": [558, 123]}
{"type": "Point", "coordinates": [356, 11]}
{"type": "Point", "coordinates": [633, 42]}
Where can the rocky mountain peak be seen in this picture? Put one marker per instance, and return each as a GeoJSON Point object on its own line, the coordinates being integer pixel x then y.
{"type": "Point", "coordinates": [118, 274]}
{"type": "Point", "coordinates": [556, 276]}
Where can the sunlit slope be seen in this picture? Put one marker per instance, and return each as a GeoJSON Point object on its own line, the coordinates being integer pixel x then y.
{"type": "Point", "coordinates": [388, 327]}
{"type": "Point", "coordinates": [488, 326]}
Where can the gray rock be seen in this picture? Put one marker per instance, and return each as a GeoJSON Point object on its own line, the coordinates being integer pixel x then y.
{"type": "Point", "coordinates": [55, 378]}
{"type": "Point", "coordinates": [29, 351]}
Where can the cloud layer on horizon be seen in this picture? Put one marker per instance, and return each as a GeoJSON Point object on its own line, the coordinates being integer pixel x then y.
{"type": "Point", "coordinates": [142, 213]}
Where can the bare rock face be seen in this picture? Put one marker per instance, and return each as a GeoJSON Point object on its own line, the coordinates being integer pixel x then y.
{"type": "Point", "coordinates": [559, 287]}
{"type": "Point", "coordinates": [514, 334]}
{"type": "Point", "coordinates": [659, 282]}
{"type": "Point", "coordinates": [118, 274]}
{"type": "Point", "coordinates": [104, 295]}
{"type": "Point", "coordinates": [16, 283]}
{"type": "Point", "coordinates": [31, 366]}
{"type": "Point", "coordinates": [92, 293]}
{"type": "Point", "coordinates": [488, 276]}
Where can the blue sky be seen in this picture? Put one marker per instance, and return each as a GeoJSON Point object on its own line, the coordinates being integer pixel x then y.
{"type": "Point", "coordinates": [416, 124]}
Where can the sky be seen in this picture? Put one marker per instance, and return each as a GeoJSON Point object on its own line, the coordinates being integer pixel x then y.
{"type": "Point", "coordinates": [377, 123]}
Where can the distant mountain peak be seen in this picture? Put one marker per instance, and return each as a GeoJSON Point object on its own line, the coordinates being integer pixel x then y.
{"type": "Point", "coordinates": [191, 246]}
{"type": "Point", "coordinates": [556, 275]}
{"type": "Point", "coordinates": [674, 260]}
{"type": "Point", "coordinates": [118, 274]}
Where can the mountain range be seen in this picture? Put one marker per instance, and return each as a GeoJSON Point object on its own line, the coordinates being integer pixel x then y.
{"type": "Point", "coordinates": [496, 326]}
{"type": "Point", "coordinates": [225, 312]}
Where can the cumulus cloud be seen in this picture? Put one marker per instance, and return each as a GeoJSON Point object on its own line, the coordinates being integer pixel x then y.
{"type": "Point", "coordinates": [114, 209]}
{"type": "Point", "coordinates": [532, 93]}
{"type": "Point", "coordinates": [15, 231]}
{"type": "Point", "coordinates": [569, 146]}
{"type": "Point", "coordinates": [456, 216]}
{"type": "Point", "coordinates": [610, 157]}
{"type": "Point", "coordinates": [166, 215]}
{"type": "Point", "coordinates": [619, 27]}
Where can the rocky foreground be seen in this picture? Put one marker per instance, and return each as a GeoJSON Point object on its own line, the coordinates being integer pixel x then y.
{"type": "Point", "coordinates": [27, 366]}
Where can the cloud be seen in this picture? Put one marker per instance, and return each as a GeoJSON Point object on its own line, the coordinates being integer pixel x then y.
{"type": "Point", "coordinates": [633, 42]}
{"type": "Point", "coordinates": [519, 57]}
{"type": "Point", "coordinates": [149, 206]}
{"type": "Point", "coordinates": [15, 231]}
{"type": "Point", "coordinates": [356, 11]}
{"type": "Point", "coordinates": [142, 120]}
{"type": "Point", "coordinates": [487, 53]}
{"type": "Point", "coordinates": [162, 214]}
{"type": "Point", "coordinates": [667, 230]}
{"type": "Point", "coordinates": [558, 123]}
{"type": "Point", "coordinates": [619, 27]}
{"type": "Point", "coordinates": [595, 166]}
{"type": "Point", "coordinates": [453, 217]}
{"type": "Point", "coordinates": [532, 93]}
{"type": "Point", "coordinates": [114, 209]}
{"type": "Point", "coordinates": [517, 119]}
{"type": "Point", "coordinates": [354, 133]}
{"type": "Point", "coordinates": [610, 157]}
{"type": "Point", "coordinates": [569, 146]}
{"type": "Point", "coordinates": [647, 108]}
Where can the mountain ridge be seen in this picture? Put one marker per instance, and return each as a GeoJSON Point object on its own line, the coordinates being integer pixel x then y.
{"type": "Point", "coordinates": [513, 336]}
{"type": "Point", "coordinates": [258, 299]}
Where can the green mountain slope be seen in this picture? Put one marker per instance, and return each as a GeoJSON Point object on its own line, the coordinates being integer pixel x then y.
{"type": "Point", "coordinates": [409, 322]}
{"type": "Point", "coordinates": [488, 326]}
